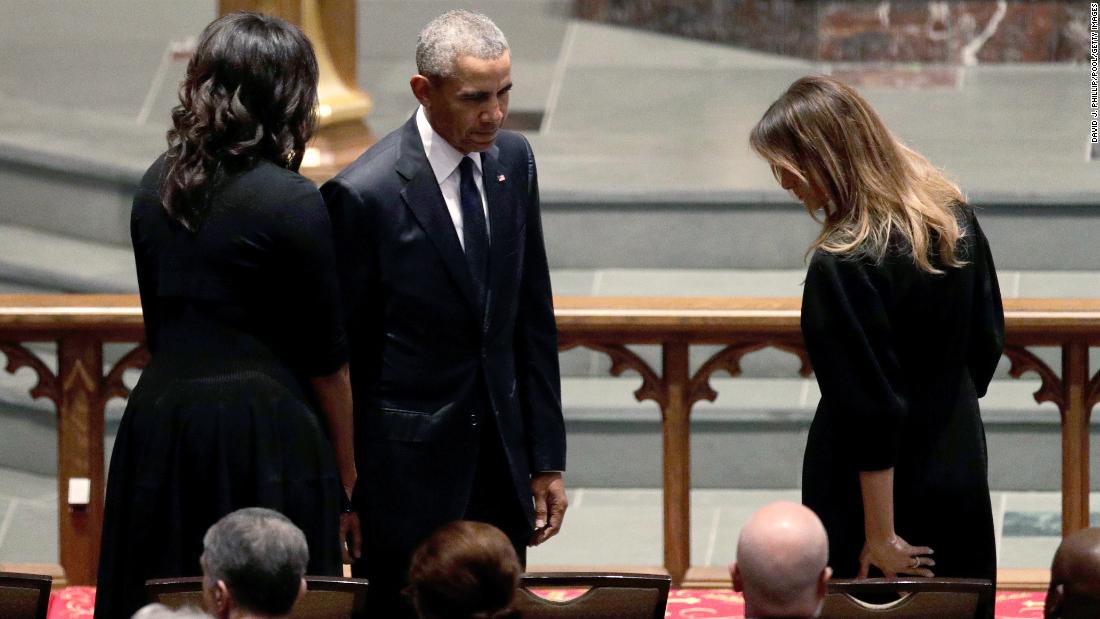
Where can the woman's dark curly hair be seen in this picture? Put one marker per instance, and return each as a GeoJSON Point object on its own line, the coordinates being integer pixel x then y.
{"type": "Point", "coordinates": [250, 94]}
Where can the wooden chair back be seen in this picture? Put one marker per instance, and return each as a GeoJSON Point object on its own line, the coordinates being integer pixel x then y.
{"type": "Point", "coordinates": [327, 597]}
{"type": "Point", "coordinates": [917, 598]}
{"type": "Point", "coordinates": [607, 596]}
{"type": "Point", "coordinates": [24, 596]}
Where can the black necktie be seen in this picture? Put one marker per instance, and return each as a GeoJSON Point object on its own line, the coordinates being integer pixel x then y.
{"type": "Point", "coordinates": [475, 235]}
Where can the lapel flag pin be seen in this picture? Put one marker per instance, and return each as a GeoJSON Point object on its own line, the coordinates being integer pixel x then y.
{"type": "Point", "coordinates": [500, 178]}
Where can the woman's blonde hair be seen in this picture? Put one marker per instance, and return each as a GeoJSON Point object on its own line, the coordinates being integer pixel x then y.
{"type": "Point", "coordinates": [879, 191]}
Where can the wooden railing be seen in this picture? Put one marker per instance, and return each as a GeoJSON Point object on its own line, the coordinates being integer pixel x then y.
{"type": "Point", "coordinates": [81, 324]}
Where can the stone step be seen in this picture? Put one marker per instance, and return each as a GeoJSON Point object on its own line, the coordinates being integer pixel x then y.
{"type": "Point", "coordinates": [618, 194]}
{"type": "Point", "coordinates": [752, 436]}
{"type": "Point", "coordinates": [591, 231]}
{"type": "Point", "coordinates": [640, 187]}
{"type": "Point", "coordinates": [39, 261]}
{"type": "Point", "coordinates": [50, 184]}
{"type": "Point", "coordinates": [42, 262]}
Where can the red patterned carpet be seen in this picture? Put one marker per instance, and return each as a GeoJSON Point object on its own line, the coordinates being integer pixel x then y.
{"type": "Point", "coordinates": [74, 602]}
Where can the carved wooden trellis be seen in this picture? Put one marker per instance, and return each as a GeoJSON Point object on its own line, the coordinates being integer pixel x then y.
{"type": "Point", "coordinates": [80, 325]}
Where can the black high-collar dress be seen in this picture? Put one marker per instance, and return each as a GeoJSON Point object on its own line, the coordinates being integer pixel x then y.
{"type": "Point", "coordinates": [901, 357]}
{"type": "Point", "coordinates": [238, 316]}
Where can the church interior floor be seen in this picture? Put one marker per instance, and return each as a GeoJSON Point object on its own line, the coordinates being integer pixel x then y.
{"type": "Point", "coordinates": [604, 526]}
{"type": "Point", "coordinates": [629, 119]}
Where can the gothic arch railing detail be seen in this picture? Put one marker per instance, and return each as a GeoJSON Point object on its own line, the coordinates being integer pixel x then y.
{"type": "Point", "coordinates": [20, 357]}
{"type": "Point", "coordinates": [623, 359]}
{"type": "Point", "coordinates": [1024, 361]}
{"type": "Point", "coordinates": [113, 387]}
{"type": "Point", "coordinates": [729, 360]}
{"type": "Point", "coordinates": [1092, 397]}
{"type": "Point", "coordinates": [81, 324]}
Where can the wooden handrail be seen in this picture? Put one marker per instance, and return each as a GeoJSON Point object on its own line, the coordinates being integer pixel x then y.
{"type": "Point", "coordinates": [80, 324]}
{"type": "Point", "coordinates": [649, 316]}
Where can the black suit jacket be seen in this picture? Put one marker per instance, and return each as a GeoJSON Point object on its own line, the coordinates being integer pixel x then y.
{"type": "Point", "coordinates": [425, 353]}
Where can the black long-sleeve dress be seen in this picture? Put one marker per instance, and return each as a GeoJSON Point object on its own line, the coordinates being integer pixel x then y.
{"type": "Point", "coordinates": [901, 357]}
{"type": "Point", "coordinates": [237, 317]}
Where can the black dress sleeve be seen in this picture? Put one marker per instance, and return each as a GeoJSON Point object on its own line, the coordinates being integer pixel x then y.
{"type": "Point", "coordinates": [144, 215]}
{"type": "Point", "coordinates": [851, 346]}
{"type": "Point", "coordinates": [987, 324]}
{"type": "Point", "coordinates": [308, 285]}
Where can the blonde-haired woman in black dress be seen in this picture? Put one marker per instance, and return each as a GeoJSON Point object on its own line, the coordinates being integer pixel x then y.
{"type": "Point", "coordinates": [903, 323]}
{"type": "Point", "coordinates": [237, 277]}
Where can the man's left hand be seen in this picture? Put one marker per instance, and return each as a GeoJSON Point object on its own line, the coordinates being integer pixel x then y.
{"type": "Point", "coordinates": [351, 538]}
{"type": "Point", "coordinates": [550, 505]}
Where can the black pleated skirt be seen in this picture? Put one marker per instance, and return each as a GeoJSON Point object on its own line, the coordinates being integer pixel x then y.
{"type": "Point", "coordinates": [216, 423]}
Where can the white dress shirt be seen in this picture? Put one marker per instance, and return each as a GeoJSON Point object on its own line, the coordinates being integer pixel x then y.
{"type": "Point", "coordinates": [444, 160]}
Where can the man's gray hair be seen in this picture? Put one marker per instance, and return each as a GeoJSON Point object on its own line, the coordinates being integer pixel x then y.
{"type": "Point", "coordinates": [453, 34]}
{"type": "Point", "coordinates": [160, 611]}
{"type": "Point", "coordinates": [260, 555]}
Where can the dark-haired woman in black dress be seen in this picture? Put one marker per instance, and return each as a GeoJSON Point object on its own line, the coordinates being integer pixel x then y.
{"type": "Point", "coordinates": [902, 319]}
{"type": "Point", "coordinates": [246, 400]}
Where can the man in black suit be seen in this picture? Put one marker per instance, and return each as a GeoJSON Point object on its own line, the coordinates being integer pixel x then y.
{"type": "Point", "coordinates": [447, 296]}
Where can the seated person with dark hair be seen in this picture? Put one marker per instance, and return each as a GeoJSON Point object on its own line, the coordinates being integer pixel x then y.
{"type": "Point", "coordinates": [253, 565]}
{"type": "Point", "coordinates": [1075, 577]}
{"type": "Point", "coordinates": [465, 570]}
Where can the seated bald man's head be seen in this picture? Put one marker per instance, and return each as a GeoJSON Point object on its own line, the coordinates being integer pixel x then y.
{"type": "Point", "coordinates": [782, 562]}
{"type": "Point", "coordinates": [1075, 577]}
